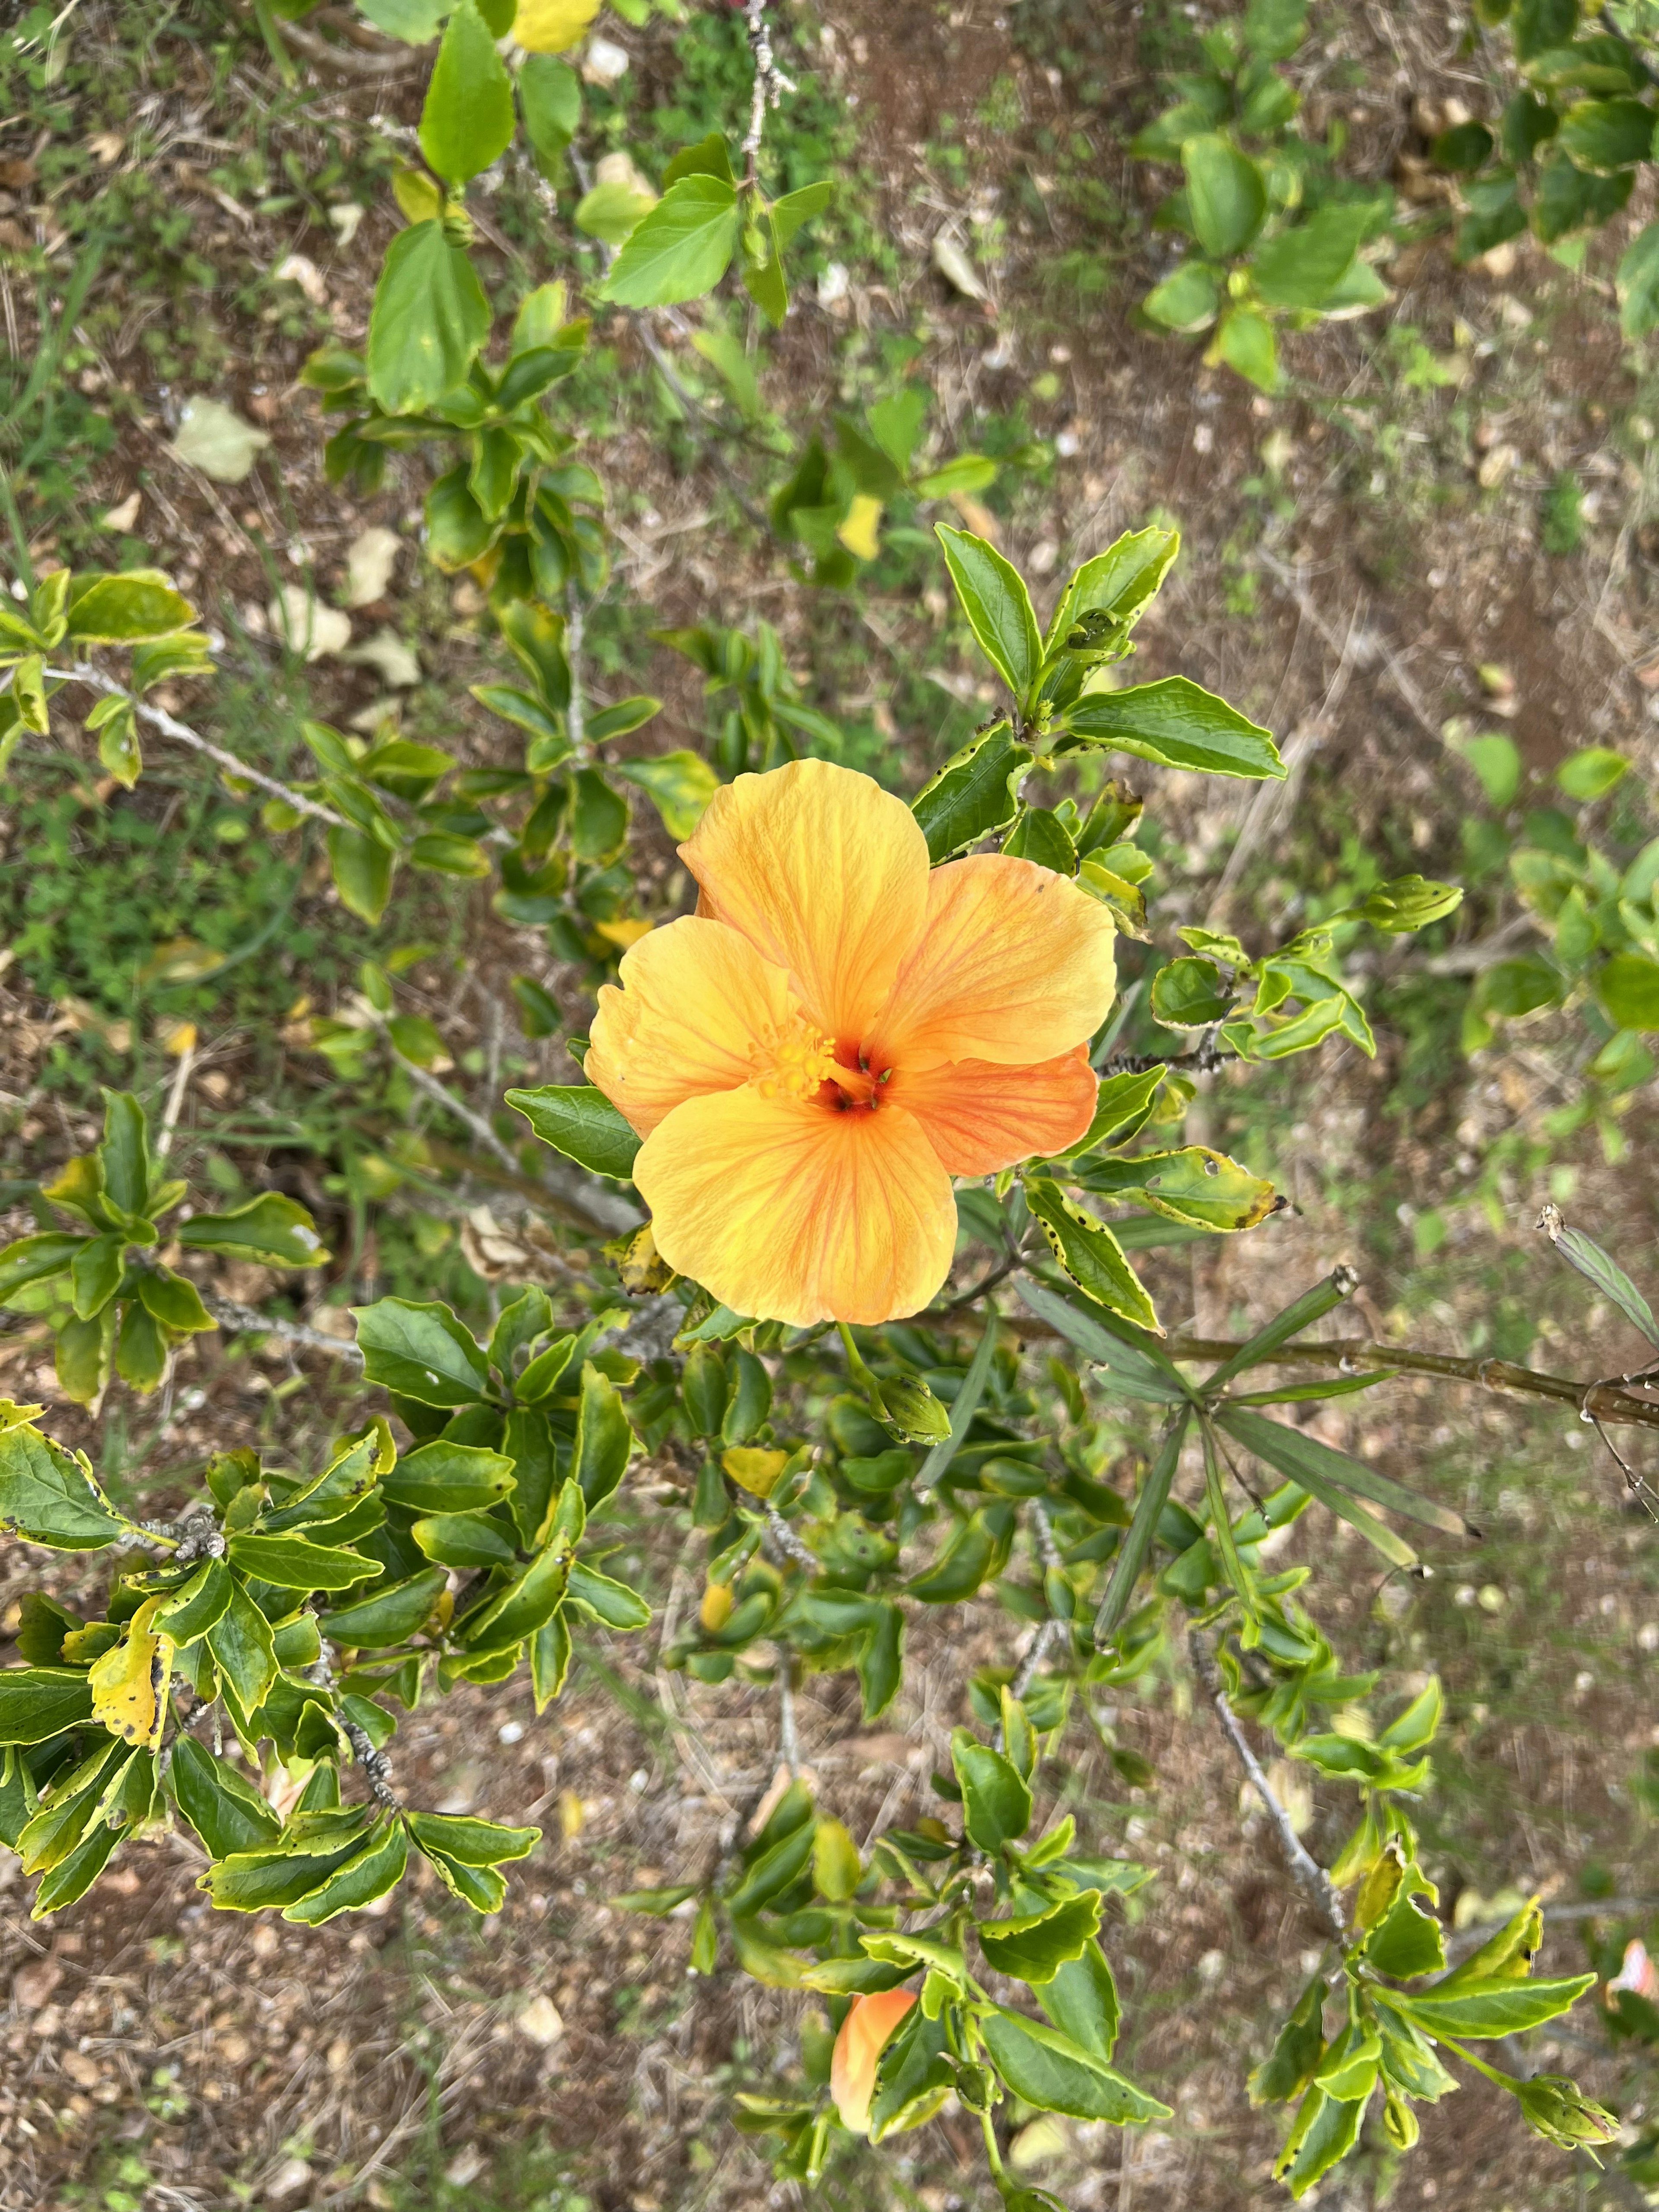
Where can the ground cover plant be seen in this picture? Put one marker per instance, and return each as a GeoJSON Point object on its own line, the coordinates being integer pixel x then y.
{"type": "Point", "coordinates": [603, 1155]}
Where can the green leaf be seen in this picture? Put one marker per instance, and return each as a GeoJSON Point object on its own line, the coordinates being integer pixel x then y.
{"type": "Point", "coordinates": [617, 721]}
{"type": "Point", "coordinates": [1226, 195]}
{"type": "Point", "coordinates": [1048, 2070]}
{"type": "Point", "coordinates": [1586, 1256]}
{"type": "Point", "coordinates": [1187, 300]}
{"type": "Point", "coordinates": [579, 1121]}
{"type": "Point", "coordinates": [1080, 1998]}
{"type": "Point", "coordinates": [1297, 2051]}
{"type": "Point", "coordinates": [193, 1609]}
{"type": "Point", "coordinates": [226, 1811]}
{"type": "Point", "coordinates": [49, 1496]}
{"type": "Point", "coordinates": [507, 1618]}
{"type": "Point", "coordinates": [1138, 1369]}
{"type": "Point", "coordinates": [1305, 1461]}
{"type": "Point", "coordinates": [998, 606]}
{"type": "Point", "coordinates": [174, 1301]}
{"type": "Point", "coordinates": [996, 1799]}
{"type": "Point", "coordinates": [1043, 838]}
{"type": "Point", "coordinates": [1303, 266]}
{"type": "Point", "coordinates": [121, 609]}
{"type": "Point", "coordinates": [679, 250]}
{"type": "Point", "coordinates": [1638, 283]}
{"type": "Point", "coordinates": [1136, 1547]}
{"type": "Point", "coordinates": [1195, 1184]}
{"type": "Point", "coordinates": [679, 784]}
{"type": "Point", "coordinates": [37, 1260]}
{"type": "Point", "coordinates": [1122, 582]}
{"type": "Point", "coordinates": [95, 1273]}
{"type": "Point", "coordinates": [1602, 135]}
{"type": "Point", "coordinates": [481, 1888]}
{"type": "Point", "coordinates": [1493, 2008]}
{"type": "Point", "coordinates": [467, 122]}
{"type": "Point", "coordinates": [464, 1539]}
{"type": "Point", "coordinates": [263, 1880]}
{"type": "Point", "coordinates": [1245, 341]}
{"type": "Point", "coordinates": [141, 1350]}
{"type": "Point", "coordinates": [292, 1562]}
{"type": "Point", "coordinates": [441, 1477]}
{"type": "Point", "coordinates": [373, 1871]}
{"type": "Point", "coordinates": [613, 1602]}
{"type": "Point", "coordinates": [38, 1703]}
{"type": "Point", "coordinates": [1591, 771]}
{"type": "Point", "coordinates": [1086, 1249]}
{"type": "Point", "coordinates": [1628, 986]}
{"type": "Point", "coordinates": [1178, 724]}
{"type": "Point", "coordinates": [361, 868]}
{"type": "Point", "coordinates": [242, 1650]}
{"type": "Point", "coordinates": [428, 320]}
{"type": "Point", "coordinates": [421, 1351]}
{"type": "Point", "coordinates": [1033, 1947]}
{"type": "Point", "coordinates": [972, 795]}
{"type": "Point", "coordinates": [472, 1843]}
{"type": "Point", "coordinates": [801, 206]}
{"type": "Point", "coordinates": [603, 1439]}
{"type": "Point", "coordinates": [1323, 2132]}
{"type": "Point", "coordinates": [391, 1616]}
{"type": "Point", "coordinates": [124, 1153]}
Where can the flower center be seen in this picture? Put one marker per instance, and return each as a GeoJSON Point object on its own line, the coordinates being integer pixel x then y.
{"type": "Point", "coordinates": [794, 1062]}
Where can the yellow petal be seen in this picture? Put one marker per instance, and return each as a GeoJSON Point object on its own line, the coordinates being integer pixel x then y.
{"type": "Point", "coordinates": [699, 1010]}
{"type": "Point", "coordinates": [1015, 965]}
{"type": "Point", "coordinates": [794, 1211]}
{"type": "Point", "coordinates": [826, 874]}
{"type": "Point", "coordinates": [979, 1117]}
{"type": "Point", "coordinates": [549, 27]}
{"type": "Point", "coordinates": [860, 532]}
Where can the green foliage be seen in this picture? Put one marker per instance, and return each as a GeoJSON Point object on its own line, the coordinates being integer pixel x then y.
{"type": "Point", "coordinates": [1275, 247]}
{"type": "Point", "coordinates": [833, 1482]}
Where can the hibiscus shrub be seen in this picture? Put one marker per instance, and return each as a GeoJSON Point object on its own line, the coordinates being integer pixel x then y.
{"type": "Point", "coordinates": [854, 1182]}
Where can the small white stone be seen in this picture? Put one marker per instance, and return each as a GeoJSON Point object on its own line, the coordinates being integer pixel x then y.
{"type": "Point", "coordinates": [541, 2022]}
{"type": "Point", "coordinates": [606, 62]}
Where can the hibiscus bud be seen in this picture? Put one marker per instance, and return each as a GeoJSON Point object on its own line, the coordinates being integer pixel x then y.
{"type": "Point", "coordinates": [909, 1411]}
{"type": "Point", "coordinates": [1556, 2108]}
{"type": "Point", "coordinates": [865, 2033]}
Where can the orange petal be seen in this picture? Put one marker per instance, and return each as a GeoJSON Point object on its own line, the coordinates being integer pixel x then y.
{"type": "Point", "coordinates": [1016, 964]}
{"type": "Point", "coordinates": [826, 874]}
{"type": "Point", "coordinates": [794, 1211]}
{"type": "Point", "coordinates": [699, 1010]}
{"type": "Point", "coordinates": [979, 1117]}
{"type": "Point", "coordinates": [867, 2030]}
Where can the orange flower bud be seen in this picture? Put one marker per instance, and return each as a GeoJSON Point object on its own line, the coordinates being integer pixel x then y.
{"type": "Point", "coordinates": [865, 2033]}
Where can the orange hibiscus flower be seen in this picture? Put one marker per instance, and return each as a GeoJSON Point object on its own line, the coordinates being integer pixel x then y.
{"type": "Point", "coordinates": [864, 2035]}
{"type": "Point", "coordinates": [834, 1034]}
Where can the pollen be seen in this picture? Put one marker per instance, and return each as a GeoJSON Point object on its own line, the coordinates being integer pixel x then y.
{"type": "Point", "coordinates": [793, 1062]}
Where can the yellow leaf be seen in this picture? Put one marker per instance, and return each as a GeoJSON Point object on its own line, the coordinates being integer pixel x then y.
{"type": "Point", "coordinates": [622, 935]}
{"type": "Point", "coordinates": [572, 1814]}
{"type": "Point", "coordinates": [130, 1683]}
{"type": "Point", "coordinates": [418, 198]}
{"type": "Point", "coordinates": [552, 27]}
{"type": "Point", "coordinates": [861, 531]}
{"type": "Point", "coordinates": [716, 1607]}
{"type": "Point", "coordinates": [753, 1469]}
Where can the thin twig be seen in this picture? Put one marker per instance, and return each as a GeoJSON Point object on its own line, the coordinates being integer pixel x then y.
{"type": "Point", "coordinates": [770, 82]}
{"type": "Point", "coordinates": [175, 1101]}
{"type": "Point", "coordinates": [441, 1095]}
{"type": "Point", "coordinates": [789, 1737]}
{"type": "Point", "coordinates": [789, 1543]}
{"type": "Point", "coordinates": [1048, 1551]}
{"type": "Point", "coordinates": [1310, 1875]}
{"type": "Point", "coordinates": [181, 733]}
{"type": "Point", "coordinates": [243, 1320]}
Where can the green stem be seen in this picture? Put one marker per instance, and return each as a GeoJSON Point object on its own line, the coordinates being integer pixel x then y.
{"type": "Point", "coordinates": [857, 1369]}
{"type": "Point", "coordinates": [992, 2152]}
{"type": "Point", "coordinates": [1493, 2073]}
